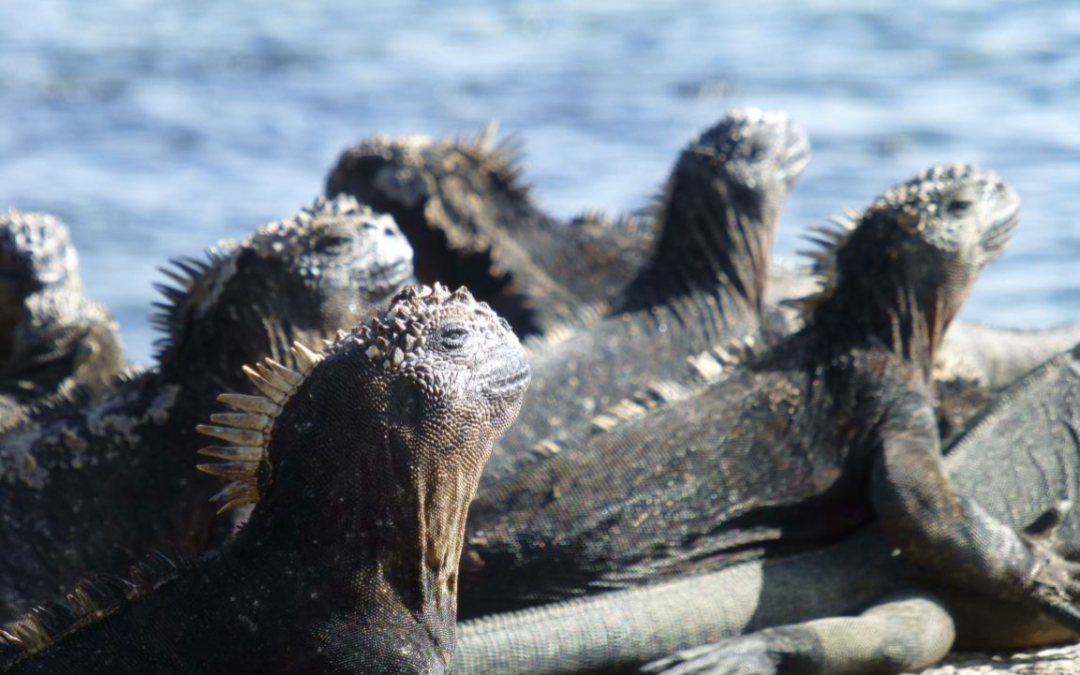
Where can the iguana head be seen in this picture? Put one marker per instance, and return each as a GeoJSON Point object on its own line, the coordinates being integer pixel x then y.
{"type": "Point", "coordinates": [916, 251]}
{"type": "Point", "coordinates": [390, 430]}
{"type": "Point", "coordinates": [35, 254]}
{"type": "Point", "coordinates": [303, 278]}
{"type": "Point", "coordinates": [436, 375]}
{"type": "Point", "coordinates": [35, 251]}
{"type": "Point", "coordinates": [751, 149]}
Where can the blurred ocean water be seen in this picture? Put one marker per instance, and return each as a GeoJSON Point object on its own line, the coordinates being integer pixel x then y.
{"type": "Point", "coordinates": [155, 128]}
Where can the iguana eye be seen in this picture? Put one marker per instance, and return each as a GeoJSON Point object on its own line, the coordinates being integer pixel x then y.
{"type": "Point", "coordinates": [332, 245]}
{"type": "Point", "coordinates": [958, 206]}
{"type": "Point", "coordinates": [453, 337]}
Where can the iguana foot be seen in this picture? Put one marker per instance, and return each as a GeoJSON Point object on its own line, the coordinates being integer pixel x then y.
{"type": "Point", "coordinates": [1055, 574]}
{"type": "Point", "coordinates": [746, 655]}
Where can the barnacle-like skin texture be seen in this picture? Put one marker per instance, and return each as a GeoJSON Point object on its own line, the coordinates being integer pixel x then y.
{"type": "Point", "coordinates": [815, 436]}
{"type": "Point", "coordinates": [53, 339]}
{"type": "Point", "coordinates": [364, 461]}
{"type": "Point", "coordinates": [91, 482]}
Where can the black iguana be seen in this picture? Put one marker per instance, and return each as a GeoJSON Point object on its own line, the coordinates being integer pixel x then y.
{"type": "Point", "coordinates": [830, 429]}
{"type": "Point", "coordinates": [703, 286]}
{"type": "Point", "coordinates": [53, 338]}
{"type": "Point", "coordinates": [90, 483]}
{"type": "Point", "coordinates": [363, 462]}
{"type": "Point", "coordinates": [1020, 461]}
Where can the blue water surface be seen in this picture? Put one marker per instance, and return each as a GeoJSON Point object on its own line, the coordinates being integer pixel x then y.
{"type": "Point", "coordinates": [155, 128]}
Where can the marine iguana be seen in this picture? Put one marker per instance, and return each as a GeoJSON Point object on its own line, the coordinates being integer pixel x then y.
{"type": "Point", "coordinates": [53, 338]}
{"type": "Point", "coordinates": [88, 484]}
{"type": "Point", "coordinates": [703, 286]}
{"type": "Point", "coordinates": [363, 462]}
{"type": "Point", "coordinates": [830, 429]}
{"type": "Point", "coordinates": [1020, 460]}
{"type": "Point", "coordinates": [471, 221]}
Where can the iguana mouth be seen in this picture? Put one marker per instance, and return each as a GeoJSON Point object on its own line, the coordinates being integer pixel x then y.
{"type": "Point", "coordinates": [796, 159]}
{"type": "Point", "coordinates": [389, 278]}
{"type": "Point", "coordinates": [997, 236]}
{"type": "Point", "coordinates": [510, 385]}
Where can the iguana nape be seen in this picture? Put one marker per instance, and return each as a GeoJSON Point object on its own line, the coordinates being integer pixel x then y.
{"type": "Point", "coordinates": [702, 287]}
{"type": "Point", "coordinates": [53, 338]}
{"type": "Point", "coordinates": [983, 355]}
{"type": "Point", "coordinates": [1020, 461]}
{"type": "Point", "coordinates": [88, 484]}
{"type": "Point", "coordinates": [830, 429]}
{"type": "Point", "coordinates": [363, 462]}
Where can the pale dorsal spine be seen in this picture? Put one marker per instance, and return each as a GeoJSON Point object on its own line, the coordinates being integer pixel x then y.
{"type": "Point", "coordinates": [248, 431]}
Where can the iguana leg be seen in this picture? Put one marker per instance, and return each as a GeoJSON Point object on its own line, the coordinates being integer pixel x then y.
{"type": "Point", "coordinates": [900, 634]}
{"type": "Point", "coordinates": [953, 537]}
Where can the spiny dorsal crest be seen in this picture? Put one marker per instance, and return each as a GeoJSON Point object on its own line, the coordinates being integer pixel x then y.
{"type": "Point", "coordinates": [91, 600]}
{"type": "Point", "coordinates": [705, 368]}
{"type": "Point", "coordinates": [828, 240]}
{"type": "Point", "coordinates": [564, 330]}
{"type": "Point", "coordinates": [501, 159]}
{"type": "Point", "coordinates": [248, 431]}
{"type": "Point", "coordinates": [710, 365]}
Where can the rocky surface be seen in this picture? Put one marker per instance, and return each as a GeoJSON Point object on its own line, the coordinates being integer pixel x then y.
{"type": "Point", "coordinates": [1064, 660]}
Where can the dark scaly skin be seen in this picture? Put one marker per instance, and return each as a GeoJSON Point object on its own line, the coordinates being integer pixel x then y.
{"type": "Point", "coordinates": [89, 484]}
{"type": "Point", "coordinates": [53, 339]}
{"type": "Point", "coordinates": [1021, 462]}
{"type": "Point", "coordinates": [348, 563]}
{"type": "Point", "coordinates": [703, 286]}
{"type": "Point", "coordinates": [828, 430]}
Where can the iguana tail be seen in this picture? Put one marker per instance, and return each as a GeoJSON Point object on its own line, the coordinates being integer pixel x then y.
{"type": "Point", "coordinates": [625, 629]}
